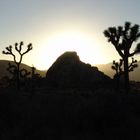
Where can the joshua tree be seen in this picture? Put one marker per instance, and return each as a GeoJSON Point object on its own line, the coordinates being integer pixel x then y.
{"type": "Point", "coordinates": [18, 48]}
{"type": "Point", "coordinates": [12, 69]}
{"type": "Point", "coordinates": [34, 75]}
{"type": "Point", "coordinates": [117, 67]}
{"type": "Point", "coordinates": [33, 72]}
{"type": "Point", "coordinates": [122, 38]}
{"type": "Point", "coordinates": [24, 74]}
{"type": "Point", "coordinates": [34, 79]}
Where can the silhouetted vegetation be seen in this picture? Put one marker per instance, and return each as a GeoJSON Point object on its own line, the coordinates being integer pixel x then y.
{"type": "Point", "coordinates": [35, 80]}
{"type": "Point", "coordinates": [23, 74]}
{"type": "Point", "coordinates": [122, 38]}
{"type": "Point", "coordinates": [17, 59]}
{"type": "Point", "coordinates": [118, 68]}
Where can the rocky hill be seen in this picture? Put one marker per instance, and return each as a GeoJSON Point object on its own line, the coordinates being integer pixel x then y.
{"type": "Point", "coordinates": [69, 71]}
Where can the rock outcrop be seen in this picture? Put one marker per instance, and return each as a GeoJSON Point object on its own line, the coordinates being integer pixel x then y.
{"type": "Point", "coordinates": [69, 71]}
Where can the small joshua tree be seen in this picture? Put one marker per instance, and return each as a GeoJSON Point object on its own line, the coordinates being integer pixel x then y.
{"type": "Point", "coordinates": [34, 79]}
{"type": "Point", "coordinates": [118, 68]}
{"type": "Point", "coordinates": [18, 48]}
{"type": "Point", "coordinates": [24, 74]}
{"type": "Point", "coordinates": [12, 69]}
{"type": "Point", "coordinates": [122, 38]}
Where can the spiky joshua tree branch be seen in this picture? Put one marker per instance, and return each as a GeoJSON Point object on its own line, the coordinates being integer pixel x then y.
{"type": "Point", "coordinates": [118, 68]}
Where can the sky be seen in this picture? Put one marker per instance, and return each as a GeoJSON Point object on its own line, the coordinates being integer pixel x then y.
{"type": "Point", "coordinates": [56, 26]}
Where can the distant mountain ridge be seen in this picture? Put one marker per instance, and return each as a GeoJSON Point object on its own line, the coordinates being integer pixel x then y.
{"type": "Point", "coordinates": [4, 65]}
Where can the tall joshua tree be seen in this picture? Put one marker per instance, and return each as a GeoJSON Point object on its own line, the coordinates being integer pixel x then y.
{"type": "Point", "coordinates": [122, 38]}
{"type": "Point", "coordinates": [17, 60]}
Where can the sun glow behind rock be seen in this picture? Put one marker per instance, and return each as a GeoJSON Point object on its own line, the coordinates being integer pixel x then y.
{"type": "Point", "coordinates": [85, 46]}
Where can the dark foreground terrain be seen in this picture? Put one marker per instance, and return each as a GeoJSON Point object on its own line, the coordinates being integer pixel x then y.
{"type": "Point", "coordinates": [70, 114]}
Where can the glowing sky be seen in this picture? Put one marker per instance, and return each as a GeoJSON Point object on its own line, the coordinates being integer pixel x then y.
{"type": "Point", "coordinates": [52, 25]}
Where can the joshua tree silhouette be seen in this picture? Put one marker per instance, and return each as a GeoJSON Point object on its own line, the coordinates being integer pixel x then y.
{"type": "Point", "coordinates": [118, 68]}
{"type": "Point", "coordinates": [18, 48]}
{"type": "Point", "coordinates": [24, 73]}
{"type": "Point", "coordinates": [122, 38]}
{"type": "Point", "coordinates": [12, 69]}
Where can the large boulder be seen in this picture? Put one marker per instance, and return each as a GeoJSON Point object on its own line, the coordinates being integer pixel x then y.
{"type": "Point", "coordinates": [69, 71]}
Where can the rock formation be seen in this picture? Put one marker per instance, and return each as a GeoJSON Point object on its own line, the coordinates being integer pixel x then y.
{"type": "Point", "coordinates": [69, 71]}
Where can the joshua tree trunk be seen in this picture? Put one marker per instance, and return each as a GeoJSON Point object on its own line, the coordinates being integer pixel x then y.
{"type": "Point", "coordinates": [126, 74]}
{"type": "Point", "coordinates": [18, 76]}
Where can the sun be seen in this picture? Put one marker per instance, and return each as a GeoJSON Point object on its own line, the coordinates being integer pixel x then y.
{"type": "Point", "coordinates": [85, 46]}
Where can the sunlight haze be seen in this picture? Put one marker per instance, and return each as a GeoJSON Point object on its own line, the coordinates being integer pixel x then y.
{"type": "Point", "coordinates": [85, 46]}
{"type": "Point", "coordinates": [54, 27]}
